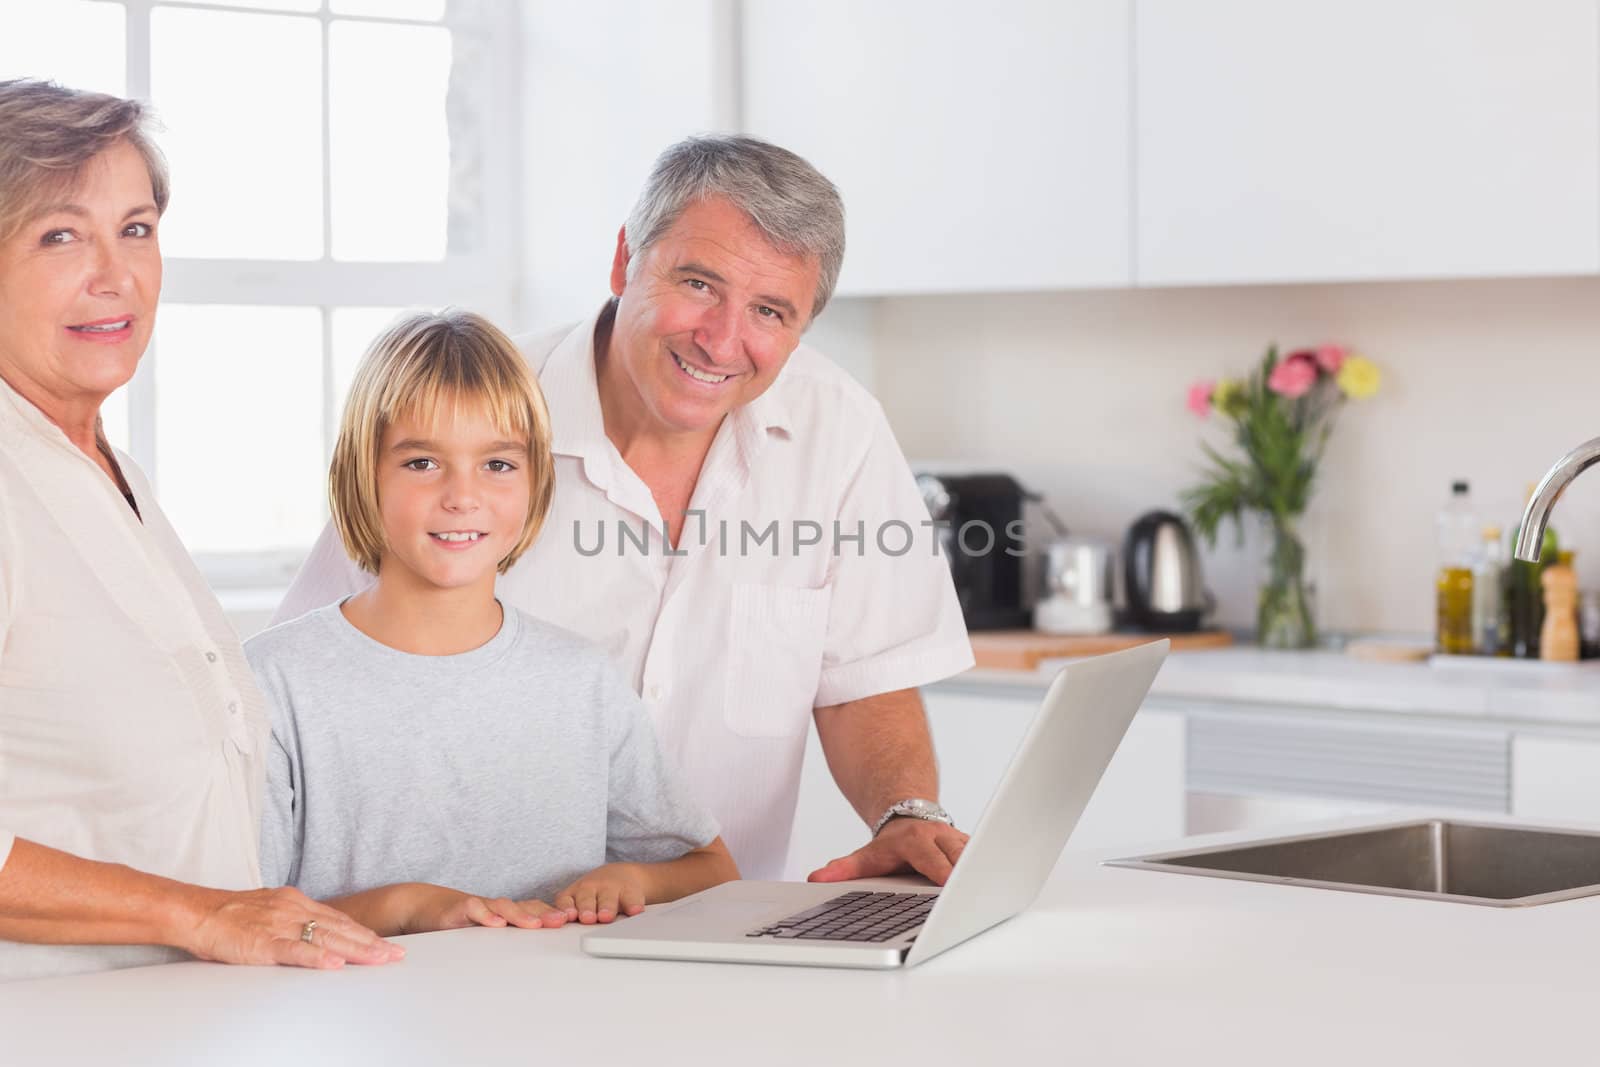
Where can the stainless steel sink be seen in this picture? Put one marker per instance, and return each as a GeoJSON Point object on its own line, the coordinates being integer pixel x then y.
{"type": "Point", "coordinates": [1469, 863]}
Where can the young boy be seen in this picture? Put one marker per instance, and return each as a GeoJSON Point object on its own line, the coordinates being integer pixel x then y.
{"type": "Point", "coordinates": [436, 760]}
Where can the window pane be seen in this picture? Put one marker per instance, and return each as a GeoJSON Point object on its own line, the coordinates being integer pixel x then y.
{"type": "Point", "coordinates": [238, 427]}
{"type": "Point", "coordinates": [391, 148]}
{"type": "Point", "coordinates": [76, 43]}
{"type": "Point", "coordinates": [353, 330]}
{"type": "Point", "coordinates": [275, 5]}
{"type": "Point", "coordinates": [241, 97]}
{"type": "Point", "coordinates": [390, 9]}
{"type": "Point", "coordinates": [114, 418]}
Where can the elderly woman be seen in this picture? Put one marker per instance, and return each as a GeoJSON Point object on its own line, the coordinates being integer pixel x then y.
{"type": "Point", "coordinates": [131, 733]}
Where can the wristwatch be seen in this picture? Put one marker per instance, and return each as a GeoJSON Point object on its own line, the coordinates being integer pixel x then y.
{"type": "Point", "coordinates": [914, 808]}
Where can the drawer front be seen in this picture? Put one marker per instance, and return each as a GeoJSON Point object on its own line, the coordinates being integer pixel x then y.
{"type": "Point", "coordinates": [1248, 754]}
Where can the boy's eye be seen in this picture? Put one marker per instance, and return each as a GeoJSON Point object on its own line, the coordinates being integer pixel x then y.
{"type": "Point", "coordinates": [420, 464]}
{"type": "Point", "coordinates": [500, 466]}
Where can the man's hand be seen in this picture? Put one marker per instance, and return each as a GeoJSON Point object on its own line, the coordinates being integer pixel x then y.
{"type": "Point", "coordinates": [434, 907]}
{"type": "Point", "coordinates": [928, 848]}
{"type": "Point", "coordinates": [605, 893]}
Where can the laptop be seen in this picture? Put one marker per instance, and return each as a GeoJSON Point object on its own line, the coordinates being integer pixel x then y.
{"type": "Point", "coordinates": [1012, 851]}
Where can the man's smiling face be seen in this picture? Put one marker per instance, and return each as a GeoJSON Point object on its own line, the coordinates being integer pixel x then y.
{"type": "Point", "coordinates": [707, 317]}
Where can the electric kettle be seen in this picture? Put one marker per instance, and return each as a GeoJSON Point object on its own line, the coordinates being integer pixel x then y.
{"type": "Point", "coordinates": [1162, 586]}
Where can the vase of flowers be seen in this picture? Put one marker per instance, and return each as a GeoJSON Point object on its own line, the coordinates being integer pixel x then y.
{"type": "Point", "coordinates": [1281, 416]}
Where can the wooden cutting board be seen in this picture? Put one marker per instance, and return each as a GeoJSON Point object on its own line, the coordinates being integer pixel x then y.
{"type": "Point", "coordinates": [1021, 650]}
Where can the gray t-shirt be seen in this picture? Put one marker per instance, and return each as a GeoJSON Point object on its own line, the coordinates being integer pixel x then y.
{"type": "Point", "coordinates": [509, 770]}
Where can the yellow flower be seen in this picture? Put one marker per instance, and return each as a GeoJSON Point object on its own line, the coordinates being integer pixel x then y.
{"type": "Point", "coordinates": [1359, 378]}
{"type": "Point", "coordinates": [1229, 397]}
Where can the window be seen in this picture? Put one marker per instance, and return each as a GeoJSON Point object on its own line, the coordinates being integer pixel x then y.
{"type": "Point", "coordinates": [334, 162]}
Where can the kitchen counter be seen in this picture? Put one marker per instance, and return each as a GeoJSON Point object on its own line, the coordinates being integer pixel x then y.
{"type": "Point", "coordinates": [1110, 966]}
{"type": "Point", "coordinates": [1502, 691]}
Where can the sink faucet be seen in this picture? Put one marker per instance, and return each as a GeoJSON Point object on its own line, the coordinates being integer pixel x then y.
{"type": "Point", "coordinates": [1550, 489]}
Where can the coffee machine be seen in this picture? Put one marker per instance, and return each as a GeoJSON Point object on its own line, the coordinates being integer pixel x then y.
{"type": "Point", "coordinates": [981, 534]}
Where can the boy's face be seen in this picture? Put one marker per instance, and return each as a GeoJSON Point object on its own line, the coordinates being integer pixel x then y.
{"type": "Point", "coordinates": [453, 497]}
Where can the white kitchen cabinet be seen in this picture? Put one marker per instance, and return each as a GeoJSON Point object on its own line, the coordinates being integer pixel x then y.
{"type": "Point", "coordinates": [977, 149]}
{"type": "Point", "coordinates": [1554, 777]}
{"type": "Point", "coordinates": [1366, 139]}
{"type": "Point", "coordinates": [1139, 800]}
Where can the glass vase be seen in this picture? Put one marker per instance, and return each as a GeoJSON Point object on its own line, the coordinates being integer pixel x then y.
{"type": "Point", "coordinates": [1283, 617]}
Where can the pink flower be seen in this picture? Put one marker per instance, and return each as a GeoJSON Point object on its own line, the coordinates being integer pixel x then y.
{"type": "Point", "coordinates": [1331, 357]}
{"type": "Point", "coordinates": [1294, 377]}
{"type": "Point", "coordinates": [1200, 397]}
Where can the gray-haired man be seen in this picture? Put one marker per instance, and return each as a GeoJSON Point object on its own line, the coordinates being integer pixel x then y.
{"type": "Point", "coordinates": [733, 519]}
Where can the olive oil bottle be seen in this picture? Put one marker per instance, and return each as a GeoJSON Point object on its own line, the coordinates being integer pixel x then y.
{"type": "Point", "coordinates": [1458, 539]}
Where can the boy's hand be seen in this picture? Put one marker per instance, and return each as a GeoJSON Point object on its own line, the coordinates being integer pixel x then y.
{"type": "Point", "coordinates": [604, 893]}
{"type": "Point", "coordinates": [438, 908]}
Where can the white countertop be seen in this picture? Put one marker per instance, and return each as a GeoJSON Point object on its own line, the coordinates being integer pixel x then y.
{"type": "Point", "coordinates": [1111, 966]}
{"type": "Point", "coordinates": [1467, 689]}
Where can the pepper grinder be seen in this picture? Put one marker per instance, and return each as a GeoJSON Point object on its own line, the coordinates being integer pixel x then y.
{"type": "Point", "coordinates": [1558, 637]}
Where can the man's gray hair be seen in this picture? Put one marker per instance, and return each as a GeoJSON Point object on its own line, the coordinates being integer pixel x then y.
{"type": "Point", "coordinates": [790, 202]}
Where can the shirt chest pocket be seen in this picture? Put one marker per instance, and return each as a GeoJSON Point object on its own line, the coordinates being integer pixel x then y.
{"type": "Point", "coordinates": [776, 636]}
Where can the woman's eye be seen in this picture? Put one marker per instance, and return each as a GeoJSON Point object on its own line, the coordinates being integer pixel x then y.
{"type": "Point", "coordinates": [57, 237]}
{"type": "Point", "coordinates": [500, 466]}
{"type": "Point", "coordinates": [420, 465]}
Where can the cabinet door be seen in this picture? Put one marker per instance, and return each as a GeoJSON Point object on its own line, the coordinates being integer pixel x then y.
{"type": "Point", "coordinates": [977, 148]}
{"type": "Point", "coordinates": [1366, 139]}
{"type": "Point", "coordinates": [1555, 778]}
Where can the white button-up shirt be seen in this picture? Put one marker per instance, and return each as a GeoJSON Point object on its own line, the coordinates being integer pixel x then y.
{"type": "Point", "coordinates": [131, 730]}
{"type": "Point", "coordinates": [805, 576]}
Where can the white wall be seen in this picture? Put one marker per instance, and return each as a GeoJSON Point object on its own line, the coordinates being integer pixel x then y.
{"type": "Point", "coordinates": [1082, 395]}
{"type": "Point", "coordinates": [605, 87]}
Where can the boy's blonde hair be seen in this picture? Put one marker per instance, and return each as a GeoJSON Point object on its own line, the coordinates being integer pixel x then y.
{"type": "Point", "coordinates": [420, 366]}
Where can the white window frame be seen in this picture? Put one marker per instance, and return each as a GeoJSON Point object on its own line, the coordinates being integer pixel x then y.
{"type": "Point", "coordinates": [484, 279]}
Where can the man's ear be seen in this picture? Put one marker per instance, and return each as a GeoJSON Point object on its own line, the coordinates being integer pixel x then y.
{"type": "Point", "coordinates": [619, 263]}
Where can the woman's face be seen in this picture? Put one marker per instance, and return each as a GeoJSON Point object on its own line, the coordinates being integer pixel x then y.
{"type": "Point", "coordinates": [78, 288]}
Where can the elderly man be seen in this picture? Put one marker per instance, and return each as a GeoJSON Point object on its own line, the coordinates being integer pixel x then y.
{"type": "Point", "coordinates": [733, 520]}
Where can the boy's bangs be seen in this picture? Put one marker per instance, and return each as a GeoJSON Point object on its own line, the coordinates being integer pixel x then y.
{"type": "Point", "coordinates": [435, 398]}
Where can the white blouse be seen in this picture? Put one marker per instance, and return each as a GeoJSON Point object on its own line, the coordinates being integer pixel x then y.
{"type": "Point", "coordinates": [131, 730]}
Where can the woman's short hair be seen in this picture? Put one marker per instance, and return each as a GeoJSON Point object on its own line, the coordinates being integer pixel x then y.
{"type": "Point", "coordinates": [49, 133]}
{"type": "Point", "coordinates": [791, 203]}
{"type": "Point", "coordinates": [424, 365]}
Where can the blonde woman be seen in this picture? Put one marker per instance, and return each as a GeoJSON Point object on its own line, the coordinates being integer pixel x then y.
{"type": "Point", "coordinates": [438, 758]}
{"type": "Point", "coordinates": [131, 733]}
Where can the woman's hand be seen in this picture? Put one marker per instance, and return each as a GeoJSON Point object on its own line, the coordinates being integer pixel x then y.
{"type": "Point", "coordinates": [265, 926]}
{"type": "Point", "coordinates": [604, 893]}
{"type": "Point", "coordinates": [433, 907]}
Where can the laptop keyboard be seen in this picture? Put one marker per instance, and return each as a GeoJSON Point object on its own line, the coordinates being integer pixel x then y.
{"type": "Point", "coordinates": [858, 916]}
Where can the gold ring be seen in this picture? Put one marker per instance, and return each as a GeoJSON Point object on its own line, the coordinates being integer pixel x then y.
{"type": "Point", "coordinates": [307, 930]}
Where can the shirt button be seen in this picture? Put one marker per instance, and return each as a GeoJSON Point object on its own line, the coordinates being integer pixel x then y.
{"type": "Point", "coordinates": [233, 707]}
{"type": "Point", "coordinates": [657, 693]}
{"type": "Point", "coordinates": [211, 657]}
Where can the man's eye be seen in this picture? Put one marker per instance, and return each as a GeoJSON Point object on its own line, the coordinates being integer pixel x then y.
{"type": "Point", "coordinates": [138, 229]}
{"type": "Point", "coordinates": [500, 466]}
{"type": "Point", "coordinates": [420, 464]}
{"type": "Point", "coordinates": [697, 285]}
{"type": "Point", "coordinates": [769, 313]}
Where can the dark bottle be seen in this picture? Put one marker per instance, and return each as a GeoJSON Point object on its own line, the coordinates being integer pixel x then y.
{"type": "Point", "coordinates": [1525, 596]}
